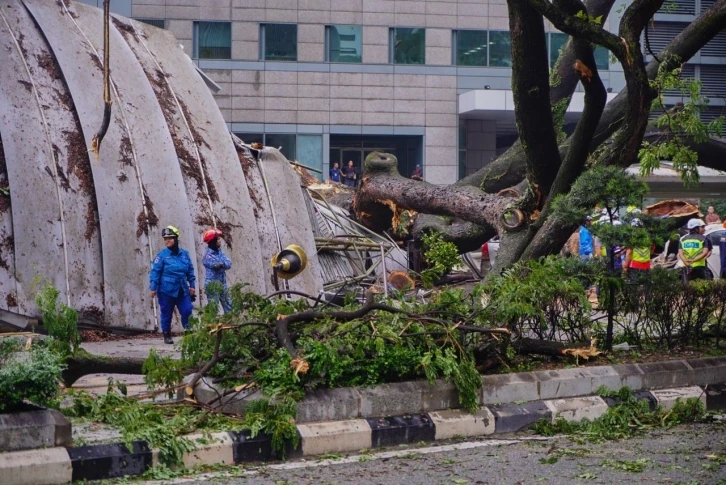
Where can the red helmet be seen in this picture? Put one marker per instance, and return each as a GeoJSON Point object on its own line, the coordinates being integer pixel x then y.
{"type": "Point", "coordinates": [210, 234]}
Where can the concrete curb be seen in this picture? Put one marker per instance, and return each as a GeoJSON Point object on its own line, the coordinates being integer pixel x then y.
{"type": "Point", "coordinates": [418, 397]}
{"type": "Point", "coordinates": [60, 465]}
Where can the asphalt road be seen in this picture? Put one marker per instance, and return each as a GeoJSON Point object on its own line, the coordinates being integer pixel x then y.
{"type": "Point", "coordinates": [688, 454]}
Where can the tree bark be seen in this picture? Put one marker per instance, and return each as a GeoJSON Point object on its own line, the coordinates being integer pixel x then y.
{"type": "Point", "coordinates": [383, 190]}
{"type": "Point", "coordinates": [83, 363]}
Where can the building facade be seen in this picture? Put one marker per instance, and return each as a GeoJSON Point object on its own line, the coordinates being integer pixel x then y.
{"type": "Point", "coordinates": [428, 80]}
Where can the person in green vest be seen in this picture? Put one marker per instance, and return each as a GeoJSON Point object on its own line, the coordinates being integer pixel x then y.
{"type": "Point", "coordinates": [637, 259]}
{"type": "Point", "coordinates": [693, 250]}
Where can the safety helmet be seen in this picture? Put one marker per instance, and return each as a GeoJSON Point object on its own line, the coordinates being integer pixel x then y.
{"type": "Point", "coordinates": [636, 223]}
{"type": "Point", "coordinates": [170, 231]}
{"type": "Point", "coordinates": [210, 234]}
{"type": "Point", "coordinates": [694, 223]}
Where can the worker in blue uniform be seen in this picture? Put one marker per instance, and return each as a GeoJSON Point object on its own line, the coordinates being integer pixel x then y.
{"type": "Point", "coordinates": [172, 281]}
{"type": "Point", "coordinates": [216, 263]}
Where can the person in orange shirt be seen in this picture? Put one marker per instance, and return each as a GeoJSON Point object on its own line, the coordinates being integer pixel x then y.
{"type": "Point", "coordinates": [637, 259]}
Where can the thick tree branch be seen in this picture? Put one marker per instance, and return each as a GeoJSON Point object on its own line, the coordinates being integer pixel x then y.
{"type": "Point", "coordinates": [383, 188]}
{"type": "Point", "coordinates": [531, 92]}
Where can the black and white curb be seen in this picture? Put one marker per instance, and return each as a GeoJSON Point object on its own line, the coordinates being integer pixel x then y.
{"type": "Point", "coordinates": [95, 462]}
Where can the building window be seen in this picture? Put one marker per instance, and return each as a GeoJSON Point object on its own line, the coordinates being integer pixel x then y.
{"type": "Point", "coordinates": [602, 58]}
{"type": "Point", "coordinates": [310, 152]}
{"type": "Point", "coordinates": [279, 42]}
{"type": "Point", "coordinates": [407, 46]}
{"type": "Point", "coordinates": [470, 47]}
{"type": "Point", "coordinates": [500, 49]}
{"type": "Point", "coordinates": [344, 43]}
{"type": "Point", "coordinates": [557, 41]}
{"type": "Point", "coordinates": [161, 23]}
{"type": "Point", "coordinates": [212, 40]}
{"type": "Point", "coordinates": [285, 142]}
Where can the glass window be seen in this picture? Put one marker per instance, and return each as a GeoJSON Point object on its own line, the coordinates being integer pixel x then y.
{"type": "Point", "coordinates": [251, 138]}
{"type": "Point", "coordinates": [500, 49]}
{"type": "Point", "coordinates": [602, 58]}
{"type": "Point", "coordinates": [408, 46]}
{"type": "Point", "coordinates": [279, 42]}
{"type": "Point", "coordinates": [285, 142]}
{"type": "Point", "coordinates": [161, 23]}
{"type": "Point", "coordinates": [557, 41]}
{"type": "Point", "coordinates": [471, 47]}
{"type": "Point", "coordinates": [212, 40]}
{"type": "Point", "coordinates": [310, 152]}
{"type": "Point", "coordinates": [345, 43]}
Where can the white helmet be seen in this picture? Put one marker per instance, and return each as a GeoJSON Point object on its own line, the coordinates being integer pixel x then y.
{"type": "Point", "coordinates": [694, 223]}
{"type": "Point", "coordinates": [636, 223]}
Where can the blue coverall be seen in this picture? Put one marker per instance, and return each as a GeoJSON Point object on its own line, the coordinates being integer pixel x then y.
{"type": "Point", "coordinates": [217, 263]}
{"type": "Point", "coordinates": [171, 276]}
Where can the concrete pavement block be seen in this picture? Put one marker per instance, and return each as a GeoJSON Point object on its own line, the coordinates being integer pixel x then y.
{"type": "Point", "coordinates": [456, 422]}
{"type": "Point", "coordinates": [630, 376]}
{"type": "Point", "coordinates": [576, 409]}
{"type": "Point", "coordinates": [390, 400]}
{"type": "Point", "coordinates": [667, 398]}
{"type": "Point", "coordinates": [510, 418]}
{"type": "Point", "coordinates": [669, 374]}
{"type": "Point", "coordinates": [604, 376]}
{"type": "Point", "coordinates": [100, 462]}
{"type": "Point", "coordinates": [36, 467]}
{"type": "Point", "coordinates": [558, 384]}
{"type": "Point", "coordinates": [716, 397]}
{"type": "Point", "coordinates": [40, 428]}
{"type": "Point", "coordinates": [329, 405]}
{"type": "Point", "coordinates": [442, 395]}
{"type": "Point", "coordinates": [397, 430]}
{"type": "Point", "coordinates": [506, 388]}
{"type": "Point", "coordinates": [211, 449]}
{"type": "Point", "coordinates": [335, 436]}
{"type": "Point", "coordinates": [707, 371]}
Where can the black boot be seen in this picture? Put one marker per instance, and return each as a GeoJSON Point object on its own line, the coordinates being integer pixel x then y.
{"type": "Point", "coordinates": [167, 338]}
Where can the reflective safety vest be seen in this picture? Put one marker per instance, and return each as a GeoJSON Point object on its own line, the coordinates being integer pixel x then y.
{"type": "Point", "coordinates": [641, 255]}
{"type": "Point", "coordinates": [693, 245]}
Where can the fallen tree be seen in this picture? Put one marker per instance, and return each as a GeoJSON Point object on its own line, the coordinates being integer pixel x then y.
{"type": "Point", "coordinates": [537, 166]}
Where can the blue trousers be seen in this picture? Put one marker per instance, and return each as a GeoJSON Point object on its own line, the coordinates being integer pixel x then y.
{"type": "Point", "coordinates": [167, 304]}
{"type": "Point", "coordinates": [225, 301]}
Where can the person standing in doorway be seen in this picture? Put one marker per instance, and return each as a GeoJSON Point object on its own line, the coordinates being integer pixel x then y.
{"type": "Point", "coordinates": [417, 173]}
{"type": "Point", "coordinates": [350, 176]}
{"type": "Point", "coordinates": [335, 173]}
{"type": "Point", "coordinates": [172, 281]}
{"type": "Point", "coordinates": [216, 263]}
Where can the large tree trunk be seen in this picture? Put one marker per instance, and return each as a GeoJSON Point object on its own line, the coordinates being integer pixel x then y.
{"type": "Point", "coordinates": [83, 363]}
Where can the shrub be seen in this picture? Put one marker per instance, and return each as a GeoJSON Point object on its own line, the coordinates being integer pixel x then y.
{"type": "Point", "coordinates": [542, 299]}
{"type": "Point", "coordinates": [27, 375]}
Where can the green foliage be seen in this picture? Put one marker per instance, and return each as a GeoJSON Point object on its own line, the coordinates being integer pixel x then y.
{"type": "Point", "coordinates": [682, 124]}
{"type": "Point", "coordinates": [458, 368]}
{"type": "Point", "coordinates": [543, 298]}
{"type": "Point", "coordinates": [584, 16]}
{"type": "Point", "coordinates": [162, 371]}
{"type": "Point", "coordinates": [441, 256]}
{"type": "Point", "coordinates": [60, 320]}
{"type": "Point", "coordinates": [629, 417]}
{"type": "Point", "coordinates": [27, 375]}
{"type": "Point", "coordinates": [163, 427]}
{"type": "Point", "coordinates": [276, 420]}
{"type": "Point", "coordinates": [559, 109]}
{"type": "Point", "coordinates": [607, 187]}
